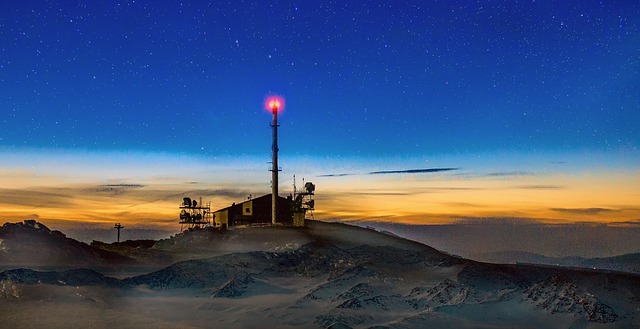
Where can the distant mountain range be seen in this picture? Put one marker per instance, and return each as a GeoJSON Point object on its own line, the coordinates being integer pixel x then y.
{"type": "Point", "coordinates": [473, 237]}
{"type": "Point", "coordinates": [321, 276]}
{"type": "Point", "coordinates": [629, 263]}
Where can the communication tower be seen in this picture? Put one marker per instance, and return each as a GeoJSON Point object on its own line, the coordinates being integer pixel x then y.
{"type": "Point", "coordinates": [274, 104]}
{"type": "Point", "coordinates": [303, 199]}
{"type": "Point", "coordinates": [194, 214]}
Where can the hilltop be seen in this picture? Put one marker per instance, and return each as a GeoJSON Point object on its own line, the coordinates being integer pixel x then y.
{"type": "Point", "coordinates": [32, 244]}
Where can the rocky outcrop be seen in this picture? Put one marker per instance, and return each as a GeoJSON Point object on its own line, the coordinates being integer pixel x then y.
{"type": "Point", "coordinates": [560, 294]}
{"type": "Point", "coordinates": [447, 292]}
{"type": "Point", "coordinates": [236, 287]}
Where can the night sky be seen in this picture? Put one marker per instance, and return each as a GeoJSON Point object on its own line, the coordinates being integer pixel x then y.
{"type": "Point", "coordinates": [494, 89]}
{"type": "Point", "coordinates": [371, 78]}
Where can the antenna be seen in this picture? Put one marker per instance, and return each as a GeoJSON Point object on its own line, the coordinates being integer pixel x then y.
{"type": "Point", "coordinates": [303, 201]}
{"type": "Point", "coordinates": [294, 187]}
{"type": "Point", "coordinates": [194, 214]}
{"type": "Point", "coordinates": [274, 104]}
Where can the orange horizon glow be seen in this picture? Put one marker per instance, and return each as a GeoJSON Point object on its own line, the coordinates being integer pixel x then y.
{"type": "Point", "coordinates": [67, 191]}
{"type": "Point", "coordinates": [411, 200]}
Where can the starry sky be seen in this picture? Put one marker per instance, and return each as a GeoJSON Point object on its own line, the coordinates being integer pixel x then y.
{"type": "Point", "coordinates": [128, 105]}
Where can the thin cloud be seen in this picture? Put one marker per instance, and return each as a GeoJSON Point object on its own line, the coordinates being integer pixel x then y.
{"type": "Point", "coordinates": [113, 188]}
{"type": "Point", "coordinates": [152, 196]}
{"type": "Point", "coordinates": [412, 171]}
{"type": "Point", "coordinates": [53, 198]}
{"type": "Point", "coordinates": [509, 173]}
{"type": "Point", "coordinates": [334, 175]}
{"type": "Point", "coordinates": [403, 171]}
{"type": "Point", "coordinates": [446, 189]}
{"type": "Point", "coordinates": [627, 223]}
{"type": "Point", "coordinates": [500, 221]}
{"type": "Point", "coordinates": [583, 211]}
{"type": "Point", "coordinates": [497, 174]}
{"type": "Point", "coordinates": [539, 187]}
{"type": "Point", "coordinates": [122, 185]}
{"type": "Point", "coordinates": [380, 193]}
{"type": "Point", "coordinates": [464, 205]}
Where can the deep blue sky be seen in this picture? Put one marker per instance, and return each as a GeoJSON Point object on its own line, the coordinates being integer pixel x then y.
{"type": "Point", "coordinates": [371, 79]}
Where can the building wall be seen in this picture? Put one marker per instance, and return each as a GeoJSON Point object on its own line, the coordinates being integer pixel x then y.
{"type": "Point", "coordinates": [255, 211]}
{"type": "Point", "coordinates": [262, 210]}
{"type": "Point", "coordinates": [221, 217]}
{"type": "Point", "coordinates": [247, 208]}
{"type": "Point", "coordinates": [298, 219]}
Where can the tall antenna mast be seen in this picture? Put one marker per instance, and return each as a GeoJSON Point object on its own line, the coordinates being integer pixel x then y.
{"type": "Point", "coordinates": [274, 104]}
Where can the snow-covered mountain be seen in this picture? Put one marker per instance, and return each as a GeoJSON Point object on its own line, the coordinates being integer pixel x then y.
{"type": "Point", "coordinates": [336, 276]}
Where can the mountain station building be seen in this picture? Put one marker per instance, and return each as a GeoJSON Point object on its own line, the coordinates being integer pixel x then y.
{"type": "Point", "coordinates": [257, 211]}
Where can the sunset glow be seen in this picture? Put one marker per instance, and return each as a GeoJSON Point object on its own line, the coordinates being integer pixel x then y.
{"type": "Point", "coordinates": [594, 195]}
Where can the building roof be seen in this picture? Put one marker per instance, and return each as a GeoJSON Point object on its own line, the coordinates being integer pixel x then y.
{"type": "Point", "coordinates": [245, 201]}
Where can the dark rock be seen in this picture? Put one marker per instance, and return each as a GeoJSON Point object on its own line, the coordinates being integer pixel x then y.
{"type": "Point", "coordinates": [236, 286]}
{"type": "Point", "coordinates": [560, 294]}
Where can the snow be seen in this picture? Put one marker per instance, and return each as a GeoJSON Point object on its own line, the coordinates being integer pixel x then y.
{"type": "Point", "coordinates": [340, 277]}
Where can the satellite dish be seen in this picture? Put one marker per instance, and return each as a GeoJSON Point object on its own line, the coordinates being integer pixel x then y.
{"type": "Point", "coordinates": [310, 187]}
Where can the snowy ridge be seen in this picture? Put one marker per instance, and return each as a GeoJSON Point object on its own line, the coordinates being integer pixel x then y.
{"type": "Point", "coordinates": [559, 294]}
{"type": "Point", "coordinates": [447, 292]}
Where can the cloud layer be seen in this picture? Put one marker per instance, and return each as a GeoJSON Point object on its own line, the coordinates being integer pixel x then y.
{"type": "Point", "coordinates": [101, 190]}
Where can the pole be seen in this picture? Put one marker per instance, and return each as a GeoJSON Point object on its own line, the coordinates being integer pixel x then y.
{"type": "Point", "coordinates": [118, 227]}
{"type": "Point", "coordinates": [274, 165]}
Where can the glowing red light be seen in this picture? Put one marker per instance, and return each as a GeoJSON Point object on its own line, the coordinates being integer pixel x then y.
{"type": "Point", "coordinates": [274, 103]}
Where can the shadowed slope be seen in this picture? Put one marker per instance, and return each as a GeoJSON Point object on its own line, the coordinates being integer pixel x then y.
{"type": "Point", "coordinates": [32, 244]}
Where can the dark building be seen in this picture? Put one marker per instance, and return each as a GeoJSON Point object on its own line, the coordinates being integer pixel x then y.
{"type": "Point", "coordinates": [257, 211]}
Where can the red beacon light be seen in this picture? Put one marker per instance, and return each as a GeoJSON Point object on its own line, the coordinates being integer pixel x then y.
{"type": "Point", "coordinates": [274, 103]}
